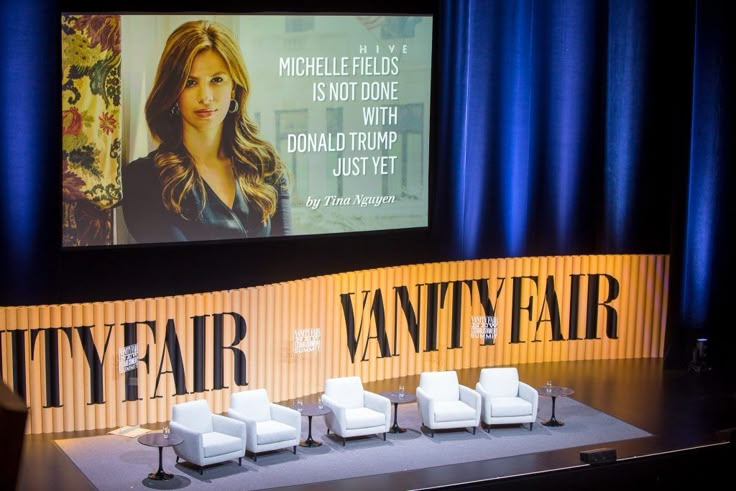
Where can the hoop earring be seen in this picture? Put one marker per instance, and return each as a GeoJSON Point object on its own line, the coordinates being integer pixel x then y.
{"type": "Point", "coordinates": [233, 109]}
{"type": "Point", "coordinates": [175, 110]}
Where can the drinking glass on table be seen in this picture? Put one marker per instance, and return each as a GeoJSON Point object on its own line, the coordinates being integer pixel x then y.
{"type": "Point", "coordinates": [401, 391]}
{"type": "Point", "coordinates": [299, 405]}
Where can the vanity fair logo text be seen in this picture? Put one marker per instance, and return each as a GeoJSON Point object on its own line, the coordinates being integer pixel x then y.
{"type": "Point", "coordinates": [366, 322]}
{"type": "Point", "coordinates": [416, 310]}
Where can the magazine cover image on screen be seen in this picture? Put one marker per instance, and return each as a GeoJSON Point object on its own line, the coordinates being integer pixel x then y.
{"type": "Point", "coordinates": [342, 102]}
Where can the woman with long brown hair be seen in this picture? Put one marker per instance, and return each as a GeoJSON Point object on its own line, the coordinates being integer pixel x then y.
{"type": "Point", "coordinates": [211, 177]}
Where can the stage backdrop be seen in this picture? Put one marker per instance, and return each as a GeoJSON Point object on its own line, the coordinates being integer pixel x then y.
{"type": "Point", "coordinates": [109, 364]}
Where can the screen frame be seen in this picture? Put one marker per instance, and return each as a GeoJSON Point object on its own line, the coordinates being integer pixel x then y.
{"type": "Point", "coordinates": [281, 7]}
{"type": "Point", "coordinates": [127, 270]}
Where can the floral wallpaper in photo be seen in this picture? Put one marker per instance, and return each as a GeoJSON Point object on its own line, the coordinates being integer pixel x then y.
{"type": "Point", "coordinates": [91, 136]}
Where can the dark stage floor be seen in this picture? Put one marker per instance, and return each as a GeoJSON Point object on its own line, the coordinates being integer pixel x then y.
{"type": "Point", "coordinates": [691, 415]}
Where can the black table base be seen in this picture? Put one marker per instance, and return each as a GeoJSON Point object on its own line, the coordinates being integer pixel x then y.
{"type": "Point", "coordinates": [160, 475]}
{"type": "Point", "coordinates": [552, 422]}
{"type": "Point", "coordinates": [395, 428]}
{"type": "Point", "coordinates": [310, 442]}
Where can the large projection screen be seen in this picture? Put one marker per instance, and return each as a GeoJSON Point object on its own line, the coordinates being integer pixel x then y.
{"type": "Point", "coordinates": [343, 99]}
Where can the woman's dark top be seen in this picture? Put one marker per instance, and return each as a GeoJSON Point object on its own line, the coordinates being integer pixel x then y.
{"type": "Point", "coordinates": [149, 221]}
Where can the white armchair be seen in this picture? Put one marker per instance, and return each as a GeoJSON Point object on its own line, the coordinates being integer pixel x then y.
{"type": "Point", "coordinates": [444, 403]}
{"type": "Point", "coordinates": [506, 400]}
{"type": "Point", "coordinates": [269, 426]}
{"type": "Point", "coordinates": [355, 411]}
{"type": "Point", "coordinates": [208, 438]}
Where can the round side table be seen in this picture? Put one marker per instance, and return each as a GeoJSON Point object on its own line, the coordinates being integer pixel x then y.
{"type": "Point", "coordinates": [554, 391]}
{"type": "Point", "coordinates": [310, 410]}
{"type": "Point", "coordinates": [157, 440]}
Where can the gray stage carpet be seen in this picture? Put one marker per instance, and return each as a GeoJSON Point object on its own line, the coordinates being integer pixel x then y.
{"type": "Point", "coordinates": [113, 462]}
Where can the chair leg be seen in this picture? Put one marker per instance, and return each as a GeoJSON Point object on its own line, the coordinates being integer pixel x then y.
{"type": "Point", "coordinates": [474, 430]}
{"type": "Point", "coordinates": [294, 449]}
{"type": "Point", "coordinates": [177, 459]}
{"type": "Point", "coordinates": [343, 441]}
{"type": "Point", "coordinates": [431, 431]}
{"type": "Point", "coordinates": [240, 461]}
{"type": "Point", "coordinates": [201, 471]}
{"type": "Point", "coordinates": [488, 429]}
{"type": "Point", "coordinates": [384, 436]}
{"type": "Point", "coordinates": [530, 426]}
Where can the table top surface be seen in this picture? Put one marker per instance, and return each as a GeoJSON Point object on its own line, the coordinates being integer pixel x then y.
{"type": "Point", "coordinates": [158, 440]}
{"type": "Point", "coordinates": [555, 391]}
{"type": "Point", "coordinates": [312, 409]}
{"type": "Point", "coordinates": [395, 397]}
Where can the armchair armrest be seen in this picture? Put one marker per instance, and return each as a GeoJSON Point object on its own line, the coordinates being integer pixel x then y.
{"type": "Point", "coordinates": [251, 433]}
{"type": "Point", "coordinates": [335, 407]}
{"type": "Point", "coordinates": [191, 449]}
{"type": "Point", "coordinates": [529, 393]}
{"type": "Point", "coordinates": [378, 403]}
{"type": "Point", "coordinates": [486, 400]}
{"type": "Point", "coordinates": [287, 415]}
{"type": "Point", "coordinates": [422, 396]}
{"type": "Point", "coordinates": [337, 419]}
{"type": "Point", "coordinates": [229, 426]}
{"type": "Point", "coordinates": [470, 397]}
{"type": "Point", "coordinates": [426, 406]}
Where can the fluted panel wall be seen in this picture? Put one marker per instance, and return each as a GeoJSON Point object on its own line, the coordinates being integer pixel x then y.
{"type": "Point", "coordinates": [63, 359]}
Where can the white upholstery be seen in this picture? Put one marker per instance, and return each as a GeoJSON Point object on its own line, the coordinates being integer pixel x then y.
{"type": "Point", "coordinates": [215, 444]}
{"type": "Point", "coordinates": [449, 411]}
{"type": "Point", "coordinates": [506, 400]}
{"type": "Point", "coordinates": [269, 426]}
{"type": "Point", "coordinates": [362, 417]}
{"type": "Point", "coordinates": [208, 438]}
{"type": "Point", "coordinates": [355, 411]}
{"type": "Point", "coordinates": [444, 403]}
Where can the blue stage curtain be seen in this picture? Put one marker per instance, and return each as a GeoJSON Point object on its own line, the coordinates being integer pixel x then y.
{"type": "Point", "coordinates": [706, 292]}
{"type": "Point", "coordinates": [600, 127]}
{"type": "Point", "coordinates": [559, 140]}
{"type": "Point", "coordinates": [29, 153]}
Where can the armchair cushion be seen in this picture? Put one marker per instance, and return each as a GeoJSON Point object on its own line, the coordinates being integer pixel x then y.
{"type": "Point", "coordinates": [215, 444]}
{"type": "Point", "coordinates": [272, 431]}
{"type": "Point", "coordinates": [445, 411]}
{"type": "Point", "coordinates": [362, 417]}
{"type": "Point", "coordinates": [510, 406]}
